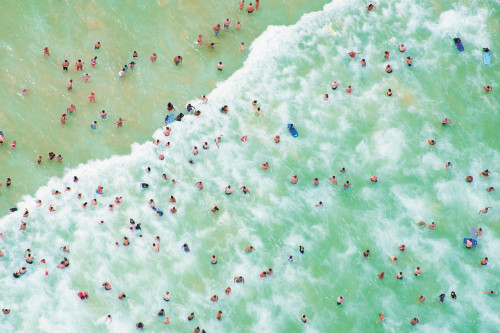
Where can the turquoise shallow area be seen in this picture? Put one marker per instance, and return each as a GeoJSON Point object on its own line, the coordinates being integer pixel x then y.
{"type": "Point", "coordinates": [288, 71]}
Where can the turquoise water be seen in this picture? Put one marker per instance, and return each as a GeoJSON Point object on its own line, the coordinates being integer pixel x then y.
{"type": "Point", "coordinates": [288, 71]}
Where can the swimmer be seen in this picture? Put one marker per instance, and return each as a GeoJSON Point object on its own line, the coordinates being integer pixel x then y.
{"type": "Point", "coordinates": [191, 316]}
{"type": "Point", "coordinates": [241, 4]}
{"type": "Point", "coordinates": [303, 318]}
{"type": "Point", "coordinates": [380, 317]}
{"type": "Point", "coordinates": [215, 209]}
{"type": "Point", "coordinates": [245, 189]}
{"type": "Point", "coordinates": [153, 57]}
{"type": "Point", "coordinates": [93, 125]}
{"type": "Point", "coordinates": [195, 150]}
{"type": "Point", "coordinates": [388, 69]}
{"type": "Point", "coordinates": [277, 139]}
{"type": "Point", "coordinates": [23, 225]}
{"type": "Point", "coordinates": [349, 90]}
{"type": "Point", "coordinates": [319, 204]}
{"type": "Point", "coordinates": [250, 9]}
{"type": "Point", "coordinates": [393, 258]}
{"type": "Point", "coordinates": [119, 123]}
{"type": "Point", "coordinates": [381, 275]}
{"type": "Point", "coordinates": [484, 210]}
{"type": "Point", "coordinates": [370, 7]}
{"type": "Point", "coordinates": [469, 179]}
{"type": "Point", "coordinates": [421, 299]}
{"type": "Point", "coordinates": [107, 286]}
{"type": "Point", "coordinates": [294, 179]}
{"type": "Point", "coordinates": [448, 165]}
{"type": "Point", "coordinates": [265, 166]}
{"type": "Point", "coordinates": [219, 315]}
{"type": "Point", "coordinates": [173, 210]}
{"type": "Point", "coordinates": [139, 325]}
{"type": "Point", "coordinates": [71, 109]}
{"type": "Point", "coordinates": [226, 23]}
{"type": "Point", "coordinates": [485, 173]}
{"type": "Point", "coordinates": [218, 139]}
{"type": "Point", "coordinates": [65, 248]}
{"type": "Point", "coordinates": [59, 159]}
{"type": "Point", "coordinates": [63, 119]}
{"type": "Point", "coordinates": [290, 259]}
{"type": "Point", "coordinates": [333, 179]}
{"type": "Point", "coordinates": [93, 62]}
{"type": "Point", "coordinates": [200, 40]}
{"type": "Point", "coordinates": [490, 189]}
{"type": "Point", "coordinates": [389, 92]}
{"type": "Point", "coordinates": [91, 97]}
{"type": "Point", "coordinates": [220, 66]}
{"type": "Point", "coordinates": [432, 225]}
{"type": "Point", "coordinates": [83, 295]}
{"type": "Point", "coordinates": [177, 60]}
{"type": "Point", "coordinates": [200, 185]}
{"type": "Point", "coordinates": [239, 279]}
{"type": "Point", "coordinates": [172, 199]}
{"type": "Point", "coordinates": [417, 271]}
{"type": "Point", "coordinates": [244, 138]}
{"type": "Point", "coordinates": [352, 54]}
{"type": "Point", "coordinates": [367, 254]}
{"type": "Point", "coordinates": [166, 296]}
{"type": "Point", "coordinates": [238, 25]}
{"type": "Point", "coordinates": [363, 63]}
{"type": "Point", "coordinates": [491, 292]}
{"type": "Point", "coordinates": [79, 65]}
{"type": "Point", "coordinates": [374, 178]}
{"type": "Point", "coordinates": [325, 97]}
{"type": "Point", "coordinates": [386, 55]}
{"type": "Point", "coordinates": [484, 261]}
{"type": "Point", "coordinates": [301, 249]}
{"type": "Point", "coordinates": [479, 232]}
{"type": "Point", "coordinates": [249, 249]}
{"type": "Point", "coordinates": [122, 296]}
{"type": "Point", "coordinates": [340, 300]}
{"type": "Point", "coordinates": [399, 276]}
{"type": "Point", "coordinates": [409, 60]}
{"type": "Point", "coordinates": [242, 47]}
{"type": "Point", "coordinates": [204, 98]}
{"type": "Point", "coordinates": [213, 261]}
{"type": "Point", "coordinates": [229, 190]}
{"type": "Point", "coordinates": [135, 55]}
{"type": "Point", "coordinates": [402, 247]}
{"type": "Point", "coordinates": [167, 131]}
{"type": "Point", "coordinates": [402, 48]}
{"type": "Point", "coordinates": [28, 257]}
{"type": "Point", "coordinates": [97, 45]}
{"type": "Point", "coordinates": [414, 321]}
{"type": "Point", "coordinates": [185, 247]}
{"type": "Point", "coordinates": [70, 84]}
{"type": "Point", "coordinates": [224, 109]}
{"type": "Point", "coordinates": [156, 247]}
{"type": "Point", "coordinates": [315, 181]}
{"type": "Point", "coordinates": [257, 3]}
{"type": "Point", "coordinates": [347, 185]}
{"type": "Point", "coordinates": [432, 142]}
{"type": "Point", "coordinates": [453, 295]}
{"type": "Point", "coordinates": [445, 121]}
{"type": "Point", "coordinates": [334, 85]}
{"type": "Point", "coordinates": [487, 89]}
{"type": "Point", "coordinates": [167, 321]}
{"type": "Point", "coordinates": [441, 298]}
{"type": "Point", "coordinates": [65, 65]}
{"type": "Point", "coordinates": [216, 29]}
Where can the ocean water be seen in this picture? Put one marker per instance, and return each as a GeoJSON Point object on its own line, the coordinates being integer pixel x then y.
{"type": "Point", "coordinates": [288, 71]}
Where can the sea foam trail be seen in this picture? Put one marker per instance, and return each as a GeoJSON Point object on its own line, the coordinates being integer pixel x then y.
{"type": "Point", "coordinates": [287, 71]}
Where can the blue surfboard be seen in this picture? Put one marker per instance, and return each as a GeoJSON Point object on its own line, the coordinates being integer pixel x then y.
{"type": "Point", "coordinates": [487, 57]}
{"type": "Point", "coordinates": [293, 131]}
{"type": "Point", "coordinates": [170, 118]}
{"type": "Point", "coordinates": [473, 241]}
{"type": "Point", "coordinates": [458, 44]}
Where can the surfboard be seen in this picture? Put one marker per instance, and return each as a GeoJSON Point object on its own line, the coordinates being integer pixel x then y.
{"type": "Point", "coordinates": [170, 118]}
{"type": "Point", "coordinates": [473, 241]}
{"type": "Point", "coordinates": [293, 131]}
{"type": "Point", "coordinates": [459, 44]}
{"type": "Point", "coordinates": [333, 31]}
{"type": "Point", "coordinates": [487, 57]}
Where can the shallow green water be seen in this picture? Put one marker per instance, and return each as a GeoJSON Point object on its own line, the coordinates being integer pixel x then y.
{"type": "Point", "coordinates": [366, 132]}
